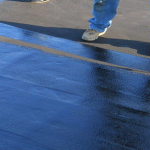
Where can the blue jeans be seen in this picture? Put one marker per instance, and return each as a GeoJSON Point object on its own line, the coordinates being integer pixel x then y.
{"type": "Point", "coordinates": [104, 11]}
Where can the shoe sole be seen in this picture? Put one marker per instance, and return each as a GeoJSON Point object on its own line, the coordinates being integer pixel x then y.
{"type": "Point", "coordinates": [100, 34]}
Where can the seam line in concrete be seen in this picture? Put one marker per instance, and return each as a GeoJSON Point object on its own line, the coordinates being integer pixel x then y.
{"type": "Point", "coordinates": [61, 53]}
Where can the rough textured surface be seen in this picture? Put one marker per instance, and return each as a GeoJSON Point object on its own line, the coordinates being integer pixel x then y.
{"type": "Point", "coordinates": [69, 18]}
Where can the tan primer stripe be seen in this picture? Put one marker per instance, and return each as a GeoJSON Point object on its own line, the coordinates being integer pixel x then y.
{"type": "Point", "coordinates": [61, 53]}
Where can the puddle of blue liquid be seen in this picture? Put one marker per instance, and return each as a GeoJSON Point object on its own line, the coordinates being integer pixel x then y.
{"type": "Point", "coordinates": [46, 98]}
{"type": "Point", "coordinates": [68, 46]}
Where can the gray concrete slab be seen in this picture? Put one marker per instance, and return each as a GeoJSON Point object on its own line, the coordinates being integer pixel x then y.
{"type": "Point", "coordinates": [68, 19]}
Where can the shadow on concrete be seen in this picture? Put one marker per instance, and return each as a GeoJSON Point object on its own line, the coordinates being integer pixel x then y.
{"type": "Point", "coordinates": [142, 48]}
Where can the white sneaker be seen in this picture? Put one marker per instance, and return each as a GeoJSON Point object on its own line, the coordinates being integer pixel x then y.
{"type": "Point", "coordinates": [91, 35]}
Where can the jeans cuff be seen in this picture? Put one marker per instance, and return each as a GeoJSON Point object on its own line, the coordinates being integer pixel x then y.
{"type": "Point", "coordinates": [99, 29]}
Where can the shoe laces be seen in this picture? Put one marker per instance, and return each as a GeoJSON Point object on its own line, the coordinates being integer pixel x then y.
{"type": "Point", "coordinates": [91, 31]}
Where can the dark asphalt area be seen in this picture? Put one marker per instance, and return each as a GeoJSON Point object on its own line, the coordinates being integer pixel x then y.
{"type": "Point", "coordinates": [58, 92]}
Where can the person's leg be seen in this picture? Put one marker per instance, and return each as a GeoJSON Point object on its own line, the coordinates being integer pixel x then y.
{"type": "Point", "coordinates": [104, 11]}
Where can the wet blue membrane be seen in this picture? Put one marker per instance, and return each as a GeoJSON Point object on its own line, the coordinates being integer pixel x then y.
{"type": "Point", "coordinates": [68, 46]}
{"type": "Point", "coordinates": [50, 102]}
